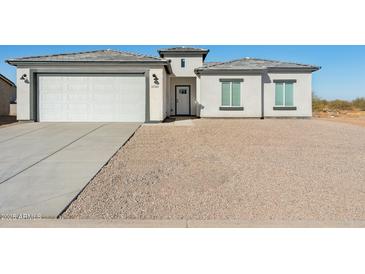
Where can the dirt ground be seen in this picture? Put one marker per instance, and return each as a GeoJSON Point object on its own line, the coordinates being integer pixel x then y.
{"type": "Point", "coordinates": [238, 169]}
{"type": "Point", "coordinates": [350, 117]}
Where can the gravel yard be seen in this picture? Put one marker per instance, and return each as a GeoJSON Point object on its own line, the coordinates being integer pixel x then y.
{"type": "Point", "coordinates": [272, 169]}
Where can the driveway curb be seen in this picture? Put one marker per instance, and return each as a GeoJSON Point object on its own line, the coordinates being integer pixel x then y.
{"type": "Point", "coordinates": [101, 223]}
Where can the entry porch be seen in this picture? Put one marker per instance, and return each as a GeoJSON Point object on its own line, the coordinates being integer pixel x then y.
{"type": "Point", "coordinates": [183, 96]}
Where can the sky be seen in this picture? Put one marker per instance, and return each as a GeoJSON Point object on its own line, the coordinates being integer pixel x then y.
{"type": "Point", "coordinates": [342, 75]}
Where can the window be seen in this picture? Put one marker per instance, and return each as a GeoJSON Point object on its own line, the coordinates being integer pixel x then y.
{"type": "Point", "coordinates": [231, 93]}
{"type": "Point", "coordinates": [284, 94]}
{"type": "Point", "coordinates": [183, 63]}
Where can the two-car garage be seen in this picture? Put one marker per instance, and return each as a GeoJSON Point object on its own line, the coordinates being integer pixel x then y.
{"type": "Point", "coordinates": [92, 86]}
{"type": "Point", "coordinates": [91, 98]}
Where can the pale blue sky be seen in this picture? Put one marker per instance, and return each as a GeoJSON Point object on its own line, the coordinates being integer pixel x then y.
{"type": "Point", "coordinates": [342, 75]}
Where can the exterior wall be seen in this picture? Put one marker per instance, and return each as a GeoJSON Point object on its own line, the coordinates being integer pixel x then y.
{"type": "Point", "coordinates": [198, 96]}
{"type": "Point", "coordinates": [205, 90]}
{"type": "Point", "coordinates": [189, 81]}
{"type": "Point", "coordinates": [25, 90]}
{"type": "Point", "coordinates": [211, 96]}
{"type": "Point", "coordinates": [302, 94]}
{"type": "Point", "coordinates": [168, 95]}
{"type": "Point", "coordinates": [24, 95]}
{"type": "Point", "coordinates": [7, 93]}
{"type": "Point", "coordinates": [191, 63]}
{"type": "Point", "coordinates": [156, 95]}
{"type": "Point", "coordinates": [165, 95]}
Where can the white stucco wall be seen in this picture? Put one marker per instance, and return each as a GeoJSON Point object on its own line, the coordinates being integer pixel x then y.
{"type": "Point", "coordinates": [180, 81]}
{"type": "Point", "coordinates": [191, 63]}
{"type": "Point", "coordinates": [211, 90]}
{"type": "Point", "coordinates": [198, 92]}
{"type": "Point", "coordinates": [205, 90]}
{"type": "Point", "coordinates": [156, 95]}
{"type": "Point", "coordinates": [24, 96]}
{"type": "Point", "coordinates": [302, 94]}
{"type": "Point", "coordinates": [165, 105]}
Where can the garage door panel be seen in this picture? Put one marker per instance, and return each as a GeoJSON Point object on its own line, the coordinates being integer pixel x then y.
{"type": "Point", "coordinates": [116, 98]}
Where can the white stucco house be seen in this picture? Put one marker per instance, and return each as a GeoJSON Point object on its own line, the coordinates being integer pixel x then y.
{"type": "Point", "coordinates": [117, 86]}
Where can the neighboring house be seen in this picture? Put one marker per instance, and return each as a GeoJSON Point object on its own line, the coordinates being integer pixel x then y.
{"type": "Point", "coordinates": [113, 86]}
{"type": "Point", "coordinates": [7, 94]}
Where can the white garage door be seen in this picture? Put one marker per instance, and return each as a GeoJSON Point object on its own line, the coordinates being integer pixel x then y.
{"type": "Point", "coordinates": [91, 98]}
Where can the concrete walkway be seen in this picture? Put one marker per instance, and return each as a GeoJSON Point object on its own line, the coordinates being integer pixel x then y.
{"type": "Point", "coordinates": [44, 166]}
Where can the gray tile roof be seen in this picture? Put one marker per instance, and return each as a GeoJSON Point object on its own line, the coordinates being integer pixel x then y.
{"type": "Point", "coordinates": [183, 49]}
{"type": "Point", "coordinates": [208, 64]}
{"type": "Point", "coordinates": [91, 56]}
{"type": "Point", "coordinates": [254, 64]}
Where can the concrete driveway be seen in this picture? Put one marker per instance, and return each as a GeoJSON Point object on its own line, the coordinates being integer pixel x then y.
{"type": "Point", "coordinates": [44, 166]}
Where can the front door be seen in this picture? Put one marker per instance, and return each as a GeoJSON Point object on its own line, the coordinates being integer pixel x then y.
{"type": "Point", "coordinates": [182, 100]}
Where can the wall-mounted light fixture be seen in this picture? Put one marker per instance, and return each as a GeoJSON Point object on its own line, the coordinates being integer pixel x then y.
{"type": "Point", "coordinates": [155, 79]}
{"type": "Point", "coordinates": [24, 78]}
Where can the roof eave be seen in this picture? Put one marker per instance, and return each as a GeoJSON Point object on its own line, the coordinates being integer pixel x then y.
{"type": "Point", "coordinates": [17, 62]}
{"type": "Point", "coordinates": [204, 53]}
{"type": "Point", "coordinates": [292, 69]}
{"type": "Point", "coordinates": [181, 50]}
{"type": "Point", "coordinates": [166, 63]}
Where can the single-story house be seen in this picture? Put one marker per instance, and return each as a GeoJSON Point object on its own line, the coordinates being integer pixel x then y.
{"type": "Point", "coordinates": [7, 95]}
{"type": "Point", "coordinates": [118, 86]}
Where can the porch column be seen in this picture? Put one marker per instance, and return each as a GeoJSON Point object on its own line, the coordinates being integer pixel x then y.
{"type": "Point", "coordinates": [197, 86]}
{"type": "Point", "coordinates": [156, 95]}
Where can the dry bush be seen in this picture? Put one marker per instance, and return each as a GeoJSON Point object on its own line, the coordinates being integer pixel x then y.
{"type": "Point", "coordinates": [359, 103]}
{"type": "Point", "coordinates": [319, 104]}
{"type": "Point", "coordinates": [339, 105]}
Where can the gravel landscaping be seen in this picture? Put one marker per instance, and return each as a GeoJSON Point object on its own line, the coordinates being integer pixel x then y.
{"type": "Point", "coordinates": [246, 169]}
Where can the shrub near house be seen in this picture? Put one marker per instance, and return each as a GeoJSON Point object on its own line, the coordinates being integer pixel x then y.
{"type": "Point", "coordinates": [319, 104]}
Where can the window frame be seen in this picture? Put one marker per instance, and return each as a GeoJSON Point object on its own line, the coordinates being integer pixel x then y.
{"type": "Point", "coordinates": [231, 81]}
{"type": "Point", "coordinates": [284, 82]}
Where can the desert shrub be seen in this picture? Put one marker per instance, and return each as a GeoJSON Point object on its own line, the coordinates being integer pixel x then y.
{"type": "Point", "coordinates": [359, 103]}
{"type": "Point", "coordinates": [339, 105]}
{"type": "Point", "coordinates": [318, 104]}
